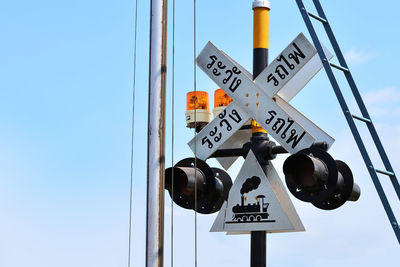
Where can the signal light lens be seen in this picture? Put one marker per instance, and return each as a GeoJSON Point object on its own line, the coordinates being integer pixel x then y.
{"type": "Point", "coordinates": [197, 100]}
{"type": "Point", "coordinates": [312, 175]}
{"type": "Point", "coordinates": [212, 185]}
{"type": "Point", "coordinates": [221, 99]}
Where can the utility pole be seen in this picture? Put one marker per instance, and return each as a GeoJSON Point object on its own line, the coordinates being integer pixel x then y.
{"type": "Point", "coordinates": [156, 134]}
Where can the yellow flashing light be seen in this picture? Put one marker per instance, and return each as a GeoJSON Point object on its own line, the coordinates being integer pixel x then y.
{"type": "Point", "coordinates": [197, 100]}
{"type": "Point", "coordinates": [221, 99]}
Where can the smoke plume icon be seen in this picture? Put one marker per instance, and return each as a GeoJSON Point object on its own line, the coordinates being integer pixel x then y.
{"type": "Point", "coordinates": [250, 184]}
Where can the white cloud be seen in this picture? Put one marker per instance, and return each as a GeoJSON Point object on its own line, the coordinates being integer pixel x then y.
{"type": "Point", "coordinates": [383, 102]}
{"type": "Point", "coordinates": [355, 56]}
{"type": "Point", "coordinates": [382, 96]}
{"type": "Point", "coordinates": [380, 111]}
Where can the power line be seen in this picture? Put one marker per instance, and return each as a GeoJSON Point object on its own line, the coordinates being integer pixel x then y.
{"type": "Point", "coordinates": [132, 138]}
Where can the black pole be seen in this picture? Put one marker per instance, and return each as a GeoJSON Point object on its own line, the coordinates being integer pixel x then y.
{"type": "Point", "coordinates": [258, 246]}
{"type": "Point", "coordinates": [258, 243]}
{"type": "Point", "coordinates": [258, 252]}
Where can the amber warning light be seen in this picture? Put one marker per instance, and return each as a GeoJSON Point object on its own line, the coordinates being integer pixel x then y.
{"type": "Point", "coordinates": [197, 109]}
{"type": "Point", "coordinates": [221, 100]}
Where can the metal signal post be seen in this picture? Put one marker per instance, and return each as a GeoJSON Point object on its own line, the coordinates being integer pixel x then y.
{"type": "Point", "coordinates": [258, 247]}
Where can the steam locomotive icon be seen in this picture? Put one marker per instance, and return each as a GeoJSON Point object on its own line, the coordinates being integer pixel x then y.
{"type": "Point", "coordinates": [252, 212]}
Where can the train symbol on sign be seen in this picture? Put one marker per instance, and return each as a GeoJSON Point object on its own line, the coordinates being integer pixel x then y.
{"type": "Point", "coordinates": [252, 212]}
{"type": "Point", "coordinates": [257, 203]}
{"type": "Point", "coordinates": [255, 212]}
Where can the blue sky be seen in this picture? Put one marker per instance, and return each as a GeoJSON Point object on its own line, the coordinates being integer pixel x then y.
{"type": "Point", "coordinates": [65, 111]}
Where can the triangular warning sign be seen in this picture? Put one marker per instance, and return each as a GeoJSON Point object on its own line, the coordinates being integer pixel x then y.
{"type": "Point", "coordinates": [257, 202]}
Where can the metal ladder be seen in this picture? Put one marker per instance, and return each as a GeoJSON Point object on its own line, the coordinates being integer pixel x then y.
{"type": "Point", "coordinates": [321, 17]}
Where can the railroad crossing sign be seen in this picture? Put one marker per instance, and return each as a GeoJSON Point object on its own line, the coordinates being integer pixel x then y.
{"type": "Point", "coordinates": [257, 203]}
{"type": "Point", "coordinates": [259, 100]}
{"type": "Point", "coordinates": [287, 92]}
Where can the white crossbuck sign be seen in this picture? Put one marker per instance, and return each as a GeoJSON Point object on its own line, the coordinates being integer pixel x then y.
{"type": "Point", "coordinates": [258, 99]}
